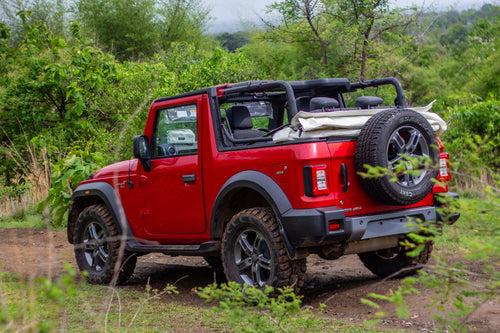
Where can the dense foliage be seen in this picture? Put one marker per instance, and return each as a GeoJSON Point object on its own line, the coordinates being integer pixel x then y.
{"type": "Point", "coordinates": [76, 81]}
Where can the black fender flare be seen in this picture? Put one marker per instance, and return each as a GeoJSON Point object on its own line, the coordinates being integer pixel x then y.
{"type": "Point", "coordinates": [109, 196]}
{"type": "Point", "coordinates": [267, 188]}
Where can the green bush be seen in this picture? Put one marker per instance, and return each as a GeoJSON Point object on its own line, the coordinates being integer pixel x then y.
{"type": "Point", "coordinates": [66, 175]}
{"type": "Point", "coordinates": [473, 140]}
{"type": "Point", "coordinates": [249, 309]}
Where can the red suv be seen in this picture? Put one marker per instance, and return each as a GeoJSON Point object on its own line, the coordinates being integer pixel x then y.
{"type": "Point", "coordinates": [211, 178]}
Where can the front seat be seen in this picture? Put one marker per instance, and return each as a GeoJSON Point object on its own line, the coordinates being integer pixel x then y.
{"type": "Point", "coordinates": [240, 122]}
{"type": "Point", "coordinates": [323, 104]}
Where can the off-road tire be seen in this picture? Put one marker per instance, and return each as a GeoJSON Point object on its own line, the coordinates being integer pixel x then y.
{"type": "Point", "coordinates": [287, 272]}
{"type": "Point", "coordinates": [399, 266]}
{"type": "Point", "coordinates": [372, 150]}
{"type": "Point", "coordinates": [100, 214]}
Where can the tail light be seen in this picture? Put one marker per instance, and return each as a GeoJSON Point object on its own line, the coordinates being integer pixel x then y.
{"type": "Point", "coordinates": [334, 225]}
{"type": "Point", "coordinates": [444, 174]}
{"type": "Point", "coordinates": [316, 180]}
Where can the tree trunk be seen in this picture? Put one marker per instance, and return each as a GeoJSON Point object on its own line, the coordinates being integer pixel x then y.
{"type": "Point", "coordinates": [324, 53]}
{"type": "Point", "coordinates": [364, 50]}
{"type": "Point", "coordinates": [364, 60]}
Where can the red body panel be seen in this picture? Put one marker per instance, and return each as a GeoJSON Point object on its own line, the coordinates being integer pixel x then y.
{"type": "Point", "coordinates": [162, 207]}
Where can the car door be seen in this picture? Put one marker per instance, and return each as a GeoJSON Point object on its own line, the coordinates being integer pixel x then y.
{"type": "Point", "coordinates": [173, 189]}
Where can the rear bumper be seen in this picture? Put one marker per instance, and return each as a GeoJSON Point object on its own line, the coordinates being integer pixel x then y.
{"type": "Point", "coordinates": [309, 227]}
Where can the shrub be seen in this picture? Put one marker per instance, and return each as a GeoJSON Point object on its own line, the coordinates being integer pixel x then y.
{"type": "Point", "coordinates": [473, 140]}
{"type": "Point", "coordinates": [66, 175]}
{"type": "Point", "coordinates": [249, 309]}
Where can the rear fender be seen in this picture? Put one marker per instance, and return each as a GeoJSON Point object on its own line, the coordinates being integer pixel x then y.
{"type": "Point", "coordinates": [267, 188]}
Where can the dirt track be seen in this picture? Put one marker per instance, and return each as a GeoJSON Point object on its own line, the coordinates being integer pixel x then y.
{"type": "Point", "coordinates": [339, 284]}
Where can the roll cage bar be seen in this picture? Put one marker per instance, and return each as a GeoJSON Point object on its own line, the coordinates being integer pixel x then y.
{"type": "Point", "coordinates": [290, 88]}
{"type": "Point", "coordinates": [400, 97]}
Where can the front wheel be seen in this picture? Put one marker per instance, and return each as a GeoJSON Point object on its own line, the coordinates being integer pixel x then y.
{"type": "Point", "coordinates": [98, 248]}
{"type": "Point", "coordinates": [253, 252]}
{"type": "Point", "coordinates": [395, 262]}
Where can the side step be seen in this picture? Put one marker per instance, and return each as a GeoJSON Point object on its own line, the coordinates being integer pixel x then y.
{"type": "Point", "coordinates": [209, 247]}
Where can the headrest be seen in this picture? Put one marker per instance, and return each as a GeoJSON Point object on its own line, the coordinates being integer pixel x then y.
{"type": "Point", "coordinates": [367, 102]}
{"type": "Point", "coordinates": [303, 103]}
{"type": "Point", "coordinates": [239, 117]}
{"type": "Point", "coordinates": [323, 103]}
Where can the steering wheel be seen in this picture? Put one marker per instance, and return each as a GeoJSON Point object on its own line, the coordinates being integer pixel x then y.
{"type": "Point", "coordinates": [171, 150]}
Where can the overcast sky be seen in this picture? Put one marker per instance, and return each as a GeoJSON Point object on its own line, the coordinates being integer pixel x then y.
{"type": "Point", "coordinates": [227, 15]}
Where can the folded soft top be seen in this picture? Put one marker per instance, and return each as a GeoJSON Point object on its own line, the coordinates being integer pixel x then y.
{"type": "Point", "coordinates": [345, 123]}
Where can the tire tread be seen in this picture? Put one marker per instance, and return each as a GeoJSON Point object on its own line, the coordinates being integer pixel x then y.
{"type": "Point", "coordinates": [289, 272]}
{"type": "Point", "coordinates": [129, 260]}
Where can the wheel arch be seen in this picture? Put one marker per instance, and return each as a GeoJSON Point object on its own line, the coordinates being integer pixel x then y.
{"type": "Point", "coordinates": [259, 190]}
{"type": "Point", "coordinates": [96, 193]}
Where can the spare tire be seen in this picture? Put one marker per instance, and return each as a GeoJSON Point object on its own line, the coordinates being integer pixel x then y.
{"type": "Point", "coordinates": [383, 141]}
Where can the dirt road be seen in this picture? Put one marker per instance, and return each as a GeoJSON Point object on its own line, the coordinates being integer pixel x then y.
{"type": "Point", "coordinates": [339, 284]}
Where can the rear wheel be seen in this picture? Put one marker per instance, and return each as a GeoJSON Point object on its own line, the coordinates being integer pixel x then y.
{"type": "Point", "coordinates": [253, 252]}
{"type": "Point", "coordinates": [395, 261]}
{"type": "Point", "coordinates": [97, 247]}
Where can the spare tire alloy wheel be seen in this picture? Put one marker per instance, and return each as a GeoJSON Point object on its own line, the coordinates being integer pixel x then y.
{"type": "Point", "coordinates": [95, 246]}
{"type": "Point", "coordinates": [391, 139]}
{"type": "Point", "coordinates": [406, 141]}
{"type": "Point", "coordinates": [253, 259]}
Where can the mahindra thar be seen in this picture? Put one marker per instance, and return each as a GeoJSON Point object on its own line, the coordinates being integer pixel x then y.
{"type": "Point", "coordinates": [256, 176]}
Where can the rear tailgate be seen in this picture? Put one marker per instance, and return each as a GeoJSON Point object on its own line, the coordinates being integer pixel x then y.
{"type": "Point", "coordinates": [346, 186]}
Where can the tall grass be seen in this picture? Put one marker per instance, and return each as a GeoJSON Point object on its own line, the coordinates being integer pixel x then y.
{"type": "Point", "coordinates": [33, 182]}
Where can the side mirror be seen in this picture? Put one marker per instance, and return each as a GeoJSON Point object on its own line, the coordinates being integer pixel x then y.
{"type": "Point", "coordinates": [142, 151]}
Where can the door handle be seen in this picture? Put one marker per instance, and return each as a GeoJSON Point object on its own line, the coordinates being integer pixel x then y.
{"type": "Point", "coordinates": [189, 179]}
{"type": "Point", "coordinates": [143, 180]}
{"type": "Point", "coordinates": [345, 177]}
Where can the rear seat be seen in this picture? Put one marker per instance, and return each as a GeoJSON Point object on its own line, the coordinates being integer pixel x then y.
{"type": "Point", "coordinates": [323, 104]}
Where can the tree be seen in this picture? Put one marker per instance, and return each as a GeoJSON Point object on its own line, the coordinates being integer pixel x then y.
{"type": "Point", "coordinates": [182, 21]}
{"type": "Point", "coordinates": [370, 19]}
{"type": "Point", "coordinates": [125, 27]}
{"type": "Point", "coordinates": [297, 15]}
{"type": "Point", "coordinates": [51, 13]}
{"type": "Point", "coordinates": [233, 41]}
{"type": "Point", "coordinates": [133, 29]}
{"type": "Point", "coordinates": [336, 24]}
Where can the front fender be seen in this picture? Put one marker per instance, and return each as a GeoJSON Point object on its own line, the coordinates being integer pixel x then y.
{"type": "Point", "coordinates": [86, 194]}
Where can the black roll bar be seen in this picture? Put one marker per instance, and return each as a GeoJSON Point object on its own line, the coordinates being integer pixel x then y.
{"type": "Point", "coordinates": [400, 97]}
{"type": "Point", "coordinates": [256, 86]}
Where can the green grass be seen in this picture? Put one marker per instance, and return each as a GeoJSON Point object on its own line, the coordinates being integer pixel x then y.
{"type": "Point", "coordinates": [476, 235]}
{"type": "Point", "coordinates": [23, 220]}
{"type": "Point", "coordinates": [83, 307]}
{"type": "Point", "coordinates": [77, 307]}
{"type": "Point", "coordinates": [96, 308]}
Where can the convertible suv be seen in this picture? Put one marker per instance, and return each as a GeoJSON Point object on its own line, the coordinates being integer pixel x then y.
{"type": "Point", "coordinates": [231, 173]}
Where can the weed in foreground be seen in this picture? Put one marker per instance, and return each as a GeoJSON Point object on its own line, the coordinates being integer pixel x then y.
{"type": "Point", "coordinates": [462, 276]}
